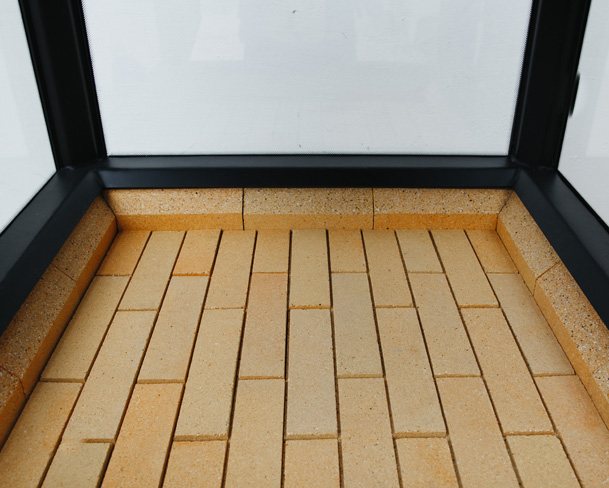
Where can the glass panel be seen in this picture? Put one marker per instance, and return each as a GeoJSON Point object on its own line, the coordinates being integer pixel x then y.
{"type": "Point", "coordinates": [26, 161]}
{"type": "Point", "coordinates": [315, 76]}
{"type": "Point", "coordinates": [585, 154]}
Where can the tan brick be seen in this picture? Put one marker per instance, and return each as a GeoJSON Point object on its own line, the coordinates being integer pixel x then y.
{"type": "Point", "coordinates": [415, 407]}
{"type": "Point", "coordinates": [480, 452]}
{"type": "Point", "coordinates": [309, 275]}
{"type": "Point", "coordinates": [29, 448]}
{"type": "Point", "coordinates": [138, 458]}
{"type": "Point", "coordinates": [311, 463]}
{"type": "Point", "coordinates": [177, 209]}
{"type": "Point", "coordinates": [542, 462]}
{"type": "Point", "coordinates": [11, 400]}
{"type": "Point", "coordinates": [311, 404]}
{"type": "Point", "coordinates": [491, 252]}
{"type": "Point", "coordinates": [467, 279]}
{"type": "Point", "coordinates": [449, 347]}
{"type": "Point", "coordinates": [195, 464]}
{"type": "Point", "coordinates": [367, 446]}
{"type": "Point", "coordinates": [77, 464]}
{"type": "Point", "coordinates": [307, 208]}
{"type": "Point", "coordinates": [272, 251]}
{"type": "Point", "coordinates": [585, 436]}
{"type": "Point", "coordinates": [206, 406]}
{"type": "Point", "coordinates": [112, 376]}
{"type": "Point", "coordinates": [86, 246]}
{"type": "Point", "coordinates": [426, 463]}
{"type": "Point", "coordinates": [509, 382]}
{"type": "Point", "coordinates": [539, 345]}
{"type": "Point", "coordinates": [230, 279]}
{"type": "Point", "coordinates": [150, 278]}
{"type": "Point", "coordinates": [387, 275]}
{"type": "Point", "coordinates": [528, 247]}
{"type": "Point", "coordinates": [346, 251]}
{"type": "Point", "coordinates": [263, 351]}
{"type": "Point", "coordinates": [124, 253]}
{"type": "Point", "coordinates": [28, 341]}
{"type": "Point", "coordinates": [356, 343]}
{"type": "Point", "coordinates": [170, 346]}
{"type": "Point", "coordinates": [418, 251]}
{"type": "Point", "coordinates": [79, 343]}
{"type": "Point", "coordinates": [198, 252]}
{"type": "Point", "coordinates": [254, 457]}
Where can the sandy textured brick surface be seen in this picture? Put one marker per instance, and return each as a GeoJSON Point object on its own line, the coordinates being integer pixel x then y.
{"type": "Point", "coordinates": [418, 251]}
{"type": "Point", "coordinates": [77, 464]}
{"type": "Point", "coordinates": [307, 208]}
{"type": "Point", "coordinates": [30, 447]}
{"type": "Point", "coordinates": [11, 400]}
{"type": "Point", "coordinates": [346, 251]}
{"type": "Point", "coordinates": [491, 252]}
{"type": "Point", "coordinates": [309, 273]}
{"type": "Point", "coordinates": [387, 275]}
{"type": "Point", "coordinates": [272, 251]}
{"type": "Point", "coordinates": [198, 252]}
{"type": "Point", "coordinates": [195, 464]}
{"type": "Point", "coordinates": [124, 254]}
{"type": "Point", "coordinates": [311, 404]}
{"type": "Point", "coordinates": [425, 463]}
{"type": "Point", "coordinates": [177, 209]}
{"type": "Point", "coordinates": [311, 463]}
{"type": "Point", "coordinates": [449, 348]}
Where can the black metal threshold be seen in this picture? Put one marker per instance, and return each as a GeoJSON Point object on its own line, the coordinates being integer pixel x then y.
{"type": "Point", "coordinates": [31, 241]}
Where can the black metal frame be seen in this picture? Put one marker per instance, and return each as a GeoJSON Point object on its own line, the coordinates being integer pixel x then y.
{"type": "Point", "coordinates": [60, 54]}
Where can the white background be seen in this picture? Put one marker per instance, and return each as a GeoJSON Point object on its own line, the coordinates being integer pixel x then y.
{"type": "Point", "coordinates": [26, 162]}
{"type": "Point", "coordinates": [307, 76]}
{"type": "Point", "coordinates": [585, 153]}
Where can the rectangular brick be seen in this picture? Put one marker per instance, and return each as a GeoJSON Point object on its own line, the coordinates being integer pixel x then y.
{"type": "Point", "coordinates": [138, 458]}
{"type": "Point", "coordinates": [79, 343]}
{"type": "Point", "coordinates": [77, 464]}
{"type": "Point", "coordinates": [254, 457]}
{"type": "Point", "coordinates": [491, 252]}
{"type": "Point", "coordinates": [195, 464]}
{"type": "Point", "coordinates": [415, 407]}
{"type": "Point", "coordinates": [585, 436]}
{"type": "Point", "coordinates": [230, 279]}
{"type": "Point", "coordinates": [148, 283]}
{"type": "Point", "coordinates": [12, 398]}
{"type": "Point", "coordinates": [346, 251]}
{"type": "Point", "coordinates": [112, 376]}
{"type": "Point", "coordinates": [367, 445]}
{"type": "Point", "coordinates": [272, 251]}
{"type": "Point", "coordinates": [263, 351]}
{"type": "Point", "coordinates": [426, 463]}
{"type": "Point", "coordinates": [480, 452]}
{"type": "Point", "coordinates": [537, 341]}
{"type": "Point", "coordinates": [356, 342]}
{"type": "Point", "coordinates": [309, 274]}
{"type": "Point", "coordinates": [30, 446]}
{"type": "Point", "coordinates": [541, 461]}
{"type": "Point", "coordinates": [124, 253]}
{"type": "Point", "coordinates": [449, 348]}
{"type": "Point", "coordinates": [208, 395]}
{"type": "Point", "coordinates": [198, 253]}
{"type": "Point", "coordinates": [467, 279]}
{"type": "Point", "coordinates": [171, 343]}
{"type": "Point", "coordinates": [311, 389]}
{"type": "Point", "coordinates": [311, 463]}
{"type": "Point", "coordinates": [387, 275]}
{"type": "Point", "coordinates": [509, 382]}
{"type": "Point", "coordinates": [418, 251]}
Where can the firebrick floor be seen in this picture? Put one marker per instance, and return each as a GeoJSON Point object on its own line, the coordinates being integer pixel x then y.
{"type": "Point", "coordinates": [308, 358]}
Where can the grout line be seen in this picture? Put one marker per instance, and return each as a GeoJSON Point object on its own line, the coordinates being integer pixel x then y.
{"type": "Point", "coordinates": [336, 397]}
{"type": "Point", "coordinates": [238, 365]}
{"type": "Point", "coordinates": [381, 357]}
{"type": "Point", "coordinates": [285, 364]}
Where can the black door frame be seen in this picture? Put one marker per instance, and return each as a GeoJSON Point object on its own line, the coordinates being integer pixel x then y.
{"type": "Point", "coordinates": [56, 34]}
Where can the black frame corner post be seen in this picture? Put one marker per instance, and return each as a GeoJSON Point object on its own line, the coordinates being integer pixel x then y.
{"type": "Point", "coordinates": [548, 85]}
{"type": "Point", "coordinates": [59, 49]}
